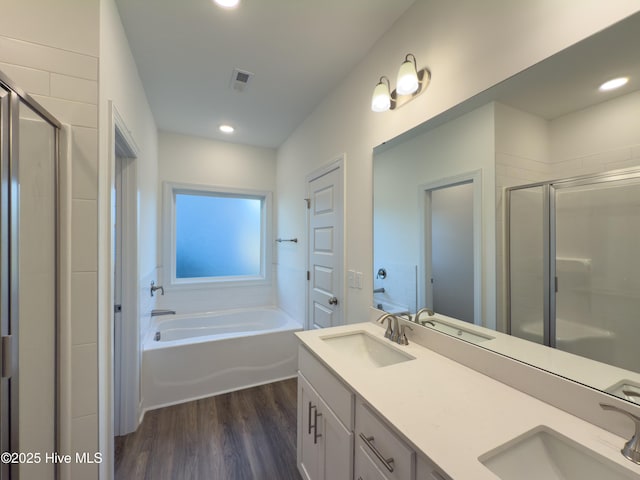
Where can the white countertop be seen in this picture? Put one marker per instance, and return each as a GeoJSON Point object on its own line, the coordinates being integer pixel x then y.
{"type": "Point", "coordinates": [449, 412]}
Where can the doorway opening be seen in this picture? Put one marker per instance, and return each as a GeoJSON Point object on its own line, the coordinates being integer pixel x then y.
{"type": "Point", "coordinates": [124, 325]}
{"type": "Point", "coordinates": [451, 217]}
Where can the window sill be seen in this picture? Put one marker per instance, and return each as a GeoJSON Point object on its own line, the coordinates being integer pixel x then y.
{"type": "Point", "coordinates": [206, 284]}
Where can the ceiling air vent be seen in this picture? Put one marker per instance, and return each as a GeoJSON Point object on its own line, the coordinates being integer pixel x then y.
{"type": "Point", "coordinates": [240, 80]}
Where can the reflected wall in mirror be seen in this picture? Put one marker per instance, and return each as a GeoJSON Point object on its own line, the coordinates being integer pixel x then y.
{"type": "Point", "coordinates": [549, 122]}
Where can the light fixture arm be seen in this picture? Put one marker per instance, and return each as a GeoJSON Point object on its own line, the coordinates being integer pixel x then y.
{"type": "Point", "coordinates": [413, 57]}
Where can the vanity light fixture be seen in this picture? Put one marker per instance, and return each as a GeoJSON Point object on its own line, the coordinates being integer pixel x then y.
{"type": "Point", "coordinates": [613, 84]}
{"type": "Point", "coordinates": [410, 84]}
{"type": "Point", "coordinates": [228, 129]}
{"type": "Point", "coordinates": [227, 3]}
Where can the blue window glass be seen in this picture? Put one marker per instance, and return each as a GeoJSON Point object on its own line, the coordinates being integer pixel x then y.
{"type": "Point", "coordinates": [217, 235]}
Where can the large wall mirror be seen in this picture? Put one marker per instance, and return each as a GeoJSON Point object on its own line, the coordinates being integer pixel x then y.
{"type": "Point", "coordinates": [515, 216]}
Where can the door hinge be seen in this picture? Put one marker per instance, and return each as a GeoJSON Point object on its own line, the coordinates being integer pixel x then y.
{"type": "Point", "coordinates": [308, 275]}
{"type": "Point", "coordinates": [117, 308]}
{"type": "Point", "coordinates": [308, 200]}
{"type": "Point", "coordinates": [7, 363]}
{"type": "Point", "coordinates": [556, 286]}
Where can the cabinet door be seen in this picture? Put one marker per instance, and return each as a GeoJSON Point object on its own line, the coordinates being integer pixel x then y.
{"type": "Point", "coordinates": [336, 445]}
{"type": "Point", "coordinates": [307, 443]}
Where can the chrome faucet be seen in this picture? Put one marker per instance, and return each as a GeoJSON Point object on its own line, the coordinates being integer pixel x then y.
{"type": "Point", "coordinates": [155, 313]}
{"type": "Point", "coordinates": [428, 311]}
{"type": "Point", "coordinates": [389, 332]}
{"type": "Point", "coordinates": [395, 333]}
{"type": "Point", "coordinates": [631, 449]}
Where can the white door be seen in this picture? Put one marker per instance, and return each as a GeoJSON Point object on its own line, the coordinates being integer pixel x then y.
{"type": "Point", "coordinates": [452, 263]}
{"type": "Point", "coordinates": [325, 274]}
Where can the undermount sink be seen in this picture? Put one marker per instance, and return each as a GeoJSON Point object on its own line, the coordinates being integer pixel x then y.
{"type": "Point", "coordinates": [455, 331]}
{"type": "Point", "coordinates": [366, 350]}
{"type": "Point", "coordinates": [543, 453]}
{"type": "Point", "coordinates": [627, 390]}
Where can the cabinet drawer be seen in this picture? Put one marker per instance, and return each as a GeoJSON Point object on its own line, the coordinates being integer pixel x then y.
{"type": "Point", "coordinates": [391, 455]}
{"type": "Point", "coordinates": [338, 397]}
{"type": "Point", "coordinates": [426, 470]}
{"type": "Point", "coordinates": [365, 466]}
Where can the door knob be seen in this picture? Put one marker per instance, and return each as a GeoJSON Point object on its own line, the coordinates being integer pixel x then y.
{"type": "Point", "coordinates": [333, 301]}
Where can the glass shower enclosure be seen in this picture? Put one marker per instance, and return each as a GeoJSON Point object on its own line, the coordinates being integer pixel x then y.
{"type": "Point", "coordinates": [28, 285]}
{"type": "Point", "coordinates": [573, 266]}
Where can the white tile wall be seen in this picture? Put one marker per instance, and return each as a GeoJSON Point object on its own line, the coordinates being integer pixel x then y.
{"type": "Point", "coordinates": [47, 59]}
{"type": "Point", "coordinates": [84, 380]}
{"type": "Point", "coordinates": [84, 439]}
{"type": "Point", "coordinates": [84, 256]}
{"type": "Point", "coordinates": [85, 163]}
{"type": "Point", "coordinates": [83, 307]}
{"type": "Point", "coordinates": [75, 113]}
{"type": "Point", "coordinates": [29, 79]}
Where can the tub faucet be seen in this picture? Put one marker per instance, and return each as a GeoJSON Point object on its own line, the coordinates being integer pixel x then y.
{"type": "Point", "coordinates": [155, 313]}
{"type": "Point", "coordinates": [155, 287]}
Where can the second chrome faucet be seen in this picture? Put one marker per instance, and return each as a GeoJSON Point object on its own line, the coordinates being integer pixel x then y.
{"type": "Point", "coordinates": [395, 332]}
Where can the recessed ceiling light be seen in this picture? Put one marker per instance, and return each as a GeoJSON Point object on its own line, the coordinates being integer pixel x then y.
{"type": "Point", "coordinates": [227, 3]}
{"type": "Point", "coordinates": [226, 128]}
{"type": "Point", "coordinates": [614, 83]}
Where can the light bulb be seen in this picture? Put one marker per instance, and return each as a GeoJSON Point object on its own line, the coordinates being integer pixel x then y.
{"type": "Point", "coordinates": [227, 3]}
{"type": "Point", "coordinates": [407, 78]}
{"type": "Point", "coordinates": [226, 128]}
{"type": "Point", "coordinates": [381, 99]}
{"type": "Point", "coordinates": [614, 83]}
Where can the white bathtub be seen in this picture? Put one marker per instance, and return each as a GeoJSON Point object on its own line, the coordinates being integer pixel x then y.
{"type": "Point", "coordinates": [205, 354]}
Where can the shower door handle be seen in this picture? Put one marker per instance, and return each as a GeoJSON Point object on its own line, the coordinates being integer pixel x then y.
{"type": "Point", "coordinates": [333, 301]}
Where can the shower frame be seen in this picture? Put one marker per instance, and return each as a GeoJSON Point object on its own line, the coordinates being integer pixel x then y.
{"type": "Point", "coordinates": [11, 98]}
{"type": "Point", "coordinates": [550, 278]}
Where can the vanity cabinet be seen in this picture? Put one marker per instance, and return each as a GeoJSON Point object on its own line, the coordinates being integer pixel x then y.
{"type": "Point", "coordinates": [341, 438]}
{"type": "Point", "coordinates": [325, 423]}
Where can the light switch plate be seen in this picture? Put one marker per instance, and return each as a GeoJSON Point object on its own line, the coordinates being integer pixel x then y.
{"type": "Point", "coordinates": [359, 280]}
{"type": "Point", "coordinates": [351, 278]}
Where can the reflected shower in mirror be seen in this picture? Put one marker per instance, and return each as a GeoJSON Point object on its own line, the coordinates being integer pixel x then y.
{"type": "Point", "coordinates": [557, 267]}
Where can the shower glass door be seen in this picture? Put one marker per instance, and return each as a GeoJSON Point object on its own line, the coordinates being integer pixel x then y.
{"type": "Point", "coordinates": [597, 236]}
{"type": "Point", "coordinates": [35, 173]}
{"type": "Point", "coordinates": [527, 282]}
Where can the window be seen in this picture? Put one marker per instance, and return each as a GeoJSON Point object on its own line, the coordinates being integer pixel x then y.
{"type": "Point", "coordinates": [216, 235]}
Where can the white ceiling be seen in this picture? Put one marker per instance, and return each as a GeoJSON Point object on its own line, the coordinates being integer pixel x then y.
{"type": "Point", "coordinates": [298, 50]}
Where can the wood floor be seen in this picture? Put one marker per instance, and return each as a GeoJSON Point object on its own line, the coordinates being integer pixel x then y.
{"type": "Point", "coordinates": [249, 434]}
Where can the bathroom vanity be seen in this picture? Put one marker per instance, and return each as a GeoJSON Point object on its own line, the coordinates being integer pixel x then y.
{"type": "Point", "coordinates": [371, 409]}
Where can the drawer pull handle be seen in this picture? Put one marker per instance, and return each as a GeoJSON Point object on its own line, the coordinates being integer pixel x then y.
{"type": "Point", "coordinates": [316, 435]}
{"type": "Point", "coordinates": [309, 418]}
{"type": "Point", "coordinates": [385, 461]}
